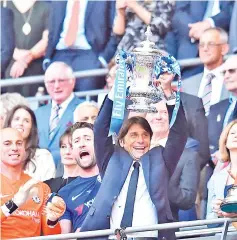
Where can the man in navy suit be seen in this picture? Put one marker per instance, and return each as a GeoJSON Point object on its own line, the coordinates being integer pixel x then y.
{"type": "Point", "coordinates": [54, 118]}
{"type": "Point", "coordinates": [117, 166]}
{"type": "Point", "coordinates": [190, 19]}
{"type": "Point", "coordinates": [80, 34]}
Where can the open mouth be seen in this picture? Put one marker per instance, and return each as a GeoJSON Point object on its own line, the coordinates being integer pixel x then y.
{"type": "Point", "coordinates": [20, 129]}
{"type": "Point", "coordinates": [84, 154]}
{"type": "Point", "coordinates": [140, 149]}
{"type": "Point", "coordinates": [14, 155]}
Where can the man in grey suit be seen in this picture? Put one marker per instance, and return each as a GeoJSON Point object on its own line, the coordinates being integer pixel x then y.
{"type": "Point", "coordinates": [233, 30]}
{"type": "Point", "coordinates": [208, 85]}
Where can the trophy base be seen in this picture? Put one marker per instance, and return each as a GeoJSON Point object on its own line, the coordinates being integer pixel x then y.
{"type": "Point", "coordinates": [142, 108]}
{"type": "Point", "coordinates": [230, 207]}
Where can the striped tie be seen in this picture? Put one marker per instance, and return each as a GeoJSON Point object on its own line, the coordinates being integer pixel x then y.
{"type": "Point", "coordinates": [206, 98]}
{"type": "Point", "coordinates": [54, 119]}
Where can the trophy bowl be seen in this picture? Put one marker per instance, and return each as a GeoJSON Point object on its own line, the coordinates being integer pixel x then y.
{"type": "Point", "coordinates": [229, 204]}
{"type": "Point", "coordinates": [142, 91]}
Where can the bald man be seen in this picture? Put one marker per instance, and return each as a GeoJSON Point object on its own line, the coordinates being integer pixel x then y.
{"type": "Point", "coordinates": [86, 112]}
{"type": "Point", "coordinates": [54, 118]}
{"type": "Point", "coordinates": [23, 199]}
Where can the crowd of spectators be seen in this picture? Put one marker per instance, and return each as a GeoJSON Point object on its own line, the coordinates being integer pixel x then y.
{"type": "Point", "coordinates": [184, 172]}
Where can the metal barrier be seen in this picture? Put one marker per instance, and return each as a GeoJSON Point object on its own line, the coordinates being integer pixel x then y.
{"type": "Point", "coordinates": [102, 233]}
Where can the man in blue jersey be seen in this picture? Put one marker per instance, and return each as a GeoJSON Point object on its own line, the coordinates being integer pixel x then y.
{"type": "Point", "coordinates": [80, 193]}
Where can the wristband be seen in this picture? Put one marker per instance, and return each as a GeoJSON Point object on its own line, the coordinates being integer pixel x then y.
{"type": "Point", "coordinates": [11, 206]}
{"type": "Point", "coordinates": [51, 223]}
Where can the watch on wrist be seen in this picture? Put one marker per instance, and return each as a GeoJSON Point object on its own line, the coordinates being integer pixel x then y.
{"type": "Point", "coordinates": [11, 206]}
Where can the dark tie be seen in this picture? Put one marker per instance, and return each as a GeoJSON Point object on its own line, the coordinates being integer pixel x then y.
{"type": "Point", "coordinates": [234, 114]}
{"type": "Point", "coordinates": [131, 195]}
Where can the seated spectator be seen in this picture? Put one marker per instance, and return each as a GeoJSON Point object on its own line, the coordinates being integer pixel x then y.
{"type": "Point", "coordinates": [183, 184]}
{"type": "Point", "coordinates": [233, 30]}
{"type": "Point", "coordinates": [9, 101]}
{"type": "Point", "coordinates": [82, 46]}
{"type": "Point", "coordinates": [25, 211]}
{"type": "Point", "coordinates": [86, 112]}
{"type": "Point", "coordinates": [31, 39]}
{"type": "Point", "coordinates": [69, 169]}
{"type": "Point", "coordinates": [225, 111]}
{"type": "Point", "coordinates": [80, 193]}
{"type": "Point", "coordinates": [133, 17]}
{"type": "Point", "coordinates": [189, 21]}
{"type": "Point", "coordinates": [221, 181]}
{"type": "Point", "coordinates": [39, 163]}
{"type": "Point", "coordinates": [209, 85]}
{"type": "Point", "coordinates": [55, 117]}
{"type": "Point", "coordinates": [7, 38]}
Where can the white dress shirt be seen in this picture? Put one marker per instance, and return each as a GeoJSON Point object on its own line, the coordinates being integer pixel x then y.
{"type": "Point", "coordinates": [144, 210]}
{"type": "Point", "coordinates": [63, 106]}
{"type": "Point", "coordinates": [217, 84]}
{"type": "Point", "coordinates": [81, 41]}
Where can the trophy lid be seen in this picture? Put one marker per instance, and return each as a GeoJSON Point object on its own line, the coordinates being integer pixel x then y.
{"type": "Point", "coordinates": [147, 46]}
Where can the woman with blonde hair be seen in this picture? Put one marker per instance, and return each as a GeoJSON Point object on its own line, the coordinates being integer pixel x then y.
{"type": "Point", "coordinates": [222, 181]}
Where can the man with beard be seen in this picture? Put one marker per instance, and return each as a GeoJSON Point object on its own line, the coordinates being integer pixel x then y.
{"type": "Point", "coordinates": [80, 193]}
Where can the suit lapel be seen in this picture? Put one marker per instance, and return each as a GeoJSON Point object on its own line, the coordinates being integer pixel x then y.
{"type": "Point", "coordinates": [146, 169]}
{"type": "Point", "coordinates": [126, 161]}
{"type": "Point", "coordinates": [65, 117]}
{"type": "Point", "coordinates": [90, 6]}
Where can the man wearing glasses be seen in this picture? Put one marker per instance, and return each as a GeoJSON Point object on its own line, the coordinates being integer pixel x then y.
{"type": "Point", "coordinates": [208, 85]}
{"type": "Point", "coordinates": [54, 118]}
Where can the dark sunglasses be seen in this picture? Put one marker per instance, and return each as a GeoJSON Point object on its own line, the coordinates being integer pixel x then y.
{"type": "Point", "coordinates": [231, 71]}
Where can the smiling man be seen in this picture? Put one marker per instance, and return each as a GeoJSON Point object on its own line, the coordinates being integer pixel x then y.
{"type": "Point", "coordinates": [54, 118]}
{"type": "Point", "coordinates": [134, 190]}
{"type": "Point", "coordinates": [80, 193]}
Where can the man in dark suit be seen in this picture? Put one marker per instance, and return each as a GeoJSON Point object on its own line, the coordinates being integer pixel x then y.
{"type": "Point", "coordinates": [7, 38]}
{"type": "Point", "coordinates": [233, 30]}
{"type": "Point", "coordinates": [225, 111]}
{"type": "Point", "coordinates": [80, 34]}
{"type": "Point", "coordinates": [181, 41]}
{"type": "Point", "coordinates": [55, 117]}
{"type": "Point", "coordinates": [119, 165]}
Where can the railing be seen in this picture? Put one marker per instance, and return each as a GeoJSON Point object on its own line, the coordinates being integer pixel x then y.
{"type": "Point", "coordinates": [103, 233]}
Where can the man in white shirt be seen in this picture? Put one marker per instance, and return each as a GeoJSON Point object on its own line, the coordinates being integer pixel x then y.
{"type": "Point", "coordinates": [213, 46]}
{"type": "Point", "coordinates": [54, 118]}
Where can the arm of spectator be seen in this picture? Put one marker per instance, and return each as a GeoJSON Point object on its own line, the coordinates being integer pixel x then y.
{"type": "Point", "coordinates": [120, 18]}
{"type": "Point", "coordinates": [114, 38]}
{"type": "Point", "coordinates": [38, 50]}
{"type": "Point", "coordinates": [66, 226]}
{"type": "Point", "coordinates": [211, 197]}
{"type": "Point", "coordinates": [52, 211]}
{"type": "Point", "coordinates": [183, 191]}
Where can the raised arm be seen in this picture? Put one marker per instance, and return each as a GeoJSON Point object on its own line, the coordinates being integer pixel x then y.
{"type": "Point", "coordinates": [103, 144]}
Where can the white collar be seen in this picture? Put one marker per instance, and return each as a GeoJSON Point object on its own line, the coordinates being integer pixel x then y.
{"type": "Point", "coordinates": [215, 71]}
{"type": "Point", "coordinates": [65, 103]}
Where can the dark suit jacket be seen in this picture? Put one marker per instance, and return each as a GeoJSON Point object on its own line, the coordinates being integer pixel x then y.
{"type": "Point", "coordinates": [183, 185]}
{"type": "Point", "coordinates": [197, 124]}
{"type": "Point", "coordinates": [114, 163]}
{"type": "Point", "coordinates": [215, 123]}
{"type": "Point", "coordinates": [177, 41]}
{"type": "Point", "coordinates": [43, 117]}
{"type": "Point", "coordinates": [99, 19]}
{"type": "Point", "coordinates": [7, 37]}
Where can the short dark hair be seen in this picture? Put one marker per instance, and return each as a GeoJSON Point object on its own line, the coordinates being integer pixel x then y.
{"type": "Point", "coordinates": [70, 130]}
{"type": "Point", "coordinates": [33, 139]}
{"type": "Point", "coordinates": [131, 121]}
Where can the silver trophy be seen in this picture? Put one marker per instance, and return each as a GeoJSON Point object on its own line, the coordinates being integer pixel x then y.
{"type": "Point", "coordinates": [142, 91]}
